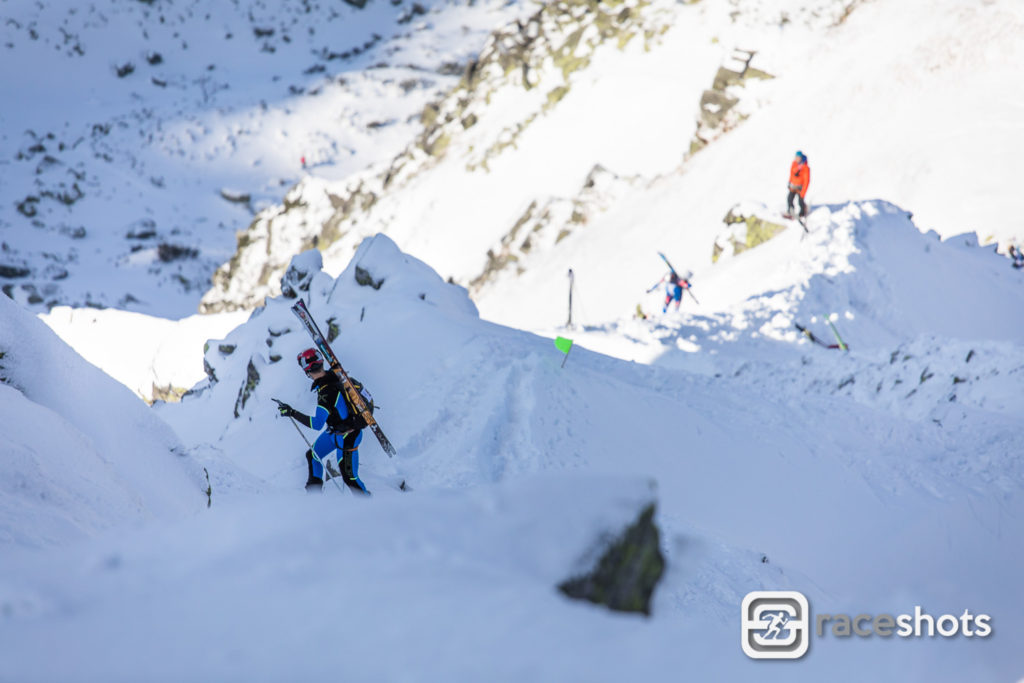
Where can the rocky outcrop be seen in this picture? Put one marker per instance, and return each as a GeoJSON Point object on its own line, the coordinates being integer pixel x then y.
{"type": "Point", "coordinates": [544, 224]}
{"type": "Point", "coordinates": [744, 229]}
{"type": "Point", "coordinates": [252, 380]}
{"type": "Point", "coordinates": [538, 55]}
{"type": "Point", "coordinates": [628, 571]}
{"type": "Point", "coordinates": [718, 105]}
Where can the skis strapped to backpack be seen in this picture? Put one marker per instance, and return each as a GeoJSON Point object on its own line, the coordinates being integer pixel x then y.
{"type": "Point", "coordinates": [667, 263]}
{"type": "Point", "coordinates": [352, 395]}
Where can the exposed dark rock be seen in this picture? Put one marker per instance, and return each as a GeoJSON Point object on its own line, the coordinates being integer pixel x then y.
{"type": "Point", "coordinates": [174, 252]}
{"type": "Point", "coordinates": [364, 278]}
{"type": "Point", "coordinates": [627, 573]}
{"type": "Point", "coordinates": [27, 206]}
{"type": "Point", "coordinates": [296, 280]}
{"type": "Point", "coordinates": [236, 197]}
{"type": "Point", "coordinates": [252, 380]}
{"type": "Point", "coordinates": [12, 272]}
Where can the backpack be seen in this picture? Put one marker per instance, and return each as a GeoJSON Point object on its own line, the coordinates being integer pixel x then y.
{"type": "Point", "coordinates": [367, 397]}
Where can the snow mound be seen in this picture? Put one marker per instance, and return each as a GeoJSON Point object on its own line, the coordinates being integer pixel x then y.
{"type": "Point", "coordinates": [502, 549]}
{"type": "Point", "coordinates": [80, 451]}
{"type": "Point", "coordinates": [868, 263]}
{"type": "Point", "coordinates": [386, 314]}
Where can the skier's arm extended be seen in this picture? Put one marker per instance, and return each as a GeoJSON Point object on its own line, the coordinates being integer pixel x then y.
{"type": "Point", "coordinates": [318, 419]}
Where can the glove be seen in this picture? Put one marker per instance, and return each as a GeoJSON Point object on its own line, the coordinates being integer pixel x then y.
{"type": "Point", "coordinates": [286, 409]}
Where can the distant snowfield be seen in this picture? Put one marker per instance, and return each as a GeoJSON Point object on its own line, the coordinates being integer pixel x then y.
{"type": "Point", "coordinates": [220, 106]}
{"type": "Point", "coordinates": [142, 352]}
{"type": "Point", "coordinates": [904, 101]}
{"type": "Point", "coordinates": [876, 103]}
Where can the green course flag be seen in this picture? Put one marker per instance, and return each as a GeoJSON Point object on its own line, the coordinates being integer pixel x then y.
{"type": "Point", "coordinates": [564, 345]}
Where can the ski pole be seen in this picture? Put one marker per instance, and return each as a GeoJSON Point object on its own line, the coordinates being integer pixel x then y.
{"type": "Point", "coordinates": [311, 451]}
{"type": "Point", "coordinates": [691, 294]}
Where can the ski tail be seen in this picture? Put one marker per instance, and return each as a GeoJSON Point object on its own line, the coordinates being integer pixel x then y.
{"type": "Point", "coordinates": [354, 397]}
{"type": "Point", "coordinates": [839, 340]}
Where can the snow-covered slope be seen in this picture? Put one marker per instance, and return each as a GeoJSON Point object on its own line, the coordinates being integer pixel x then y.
{"type": "Point", "coordinates": [138, 137]}
{"type": "Point", "coordinates": [865, 261]}
{"type": "Point", "coordinates": [893, 100]}
{"type": "Point", "coordinates": [79, 452]}
{"type": "Point", "coordinates": [875, 480]}
{"type": "Point", "coordinates": [860, 503]}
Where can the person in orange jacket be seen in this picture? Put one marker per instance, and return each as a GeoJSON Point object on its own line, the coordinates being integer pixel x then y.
{"type": "Point", "coordinates": [799, 180]}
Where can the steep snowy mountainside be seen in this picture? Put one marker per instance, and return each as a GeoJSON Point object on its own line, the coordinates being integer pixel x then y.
{"type": "Point", "coordinates": [459, 179]}
{"type": "Point", "coordinates": [79, 452]}
{"type": "Point", "coordinates": [138, 137]}
{"type": "Point", "coordinates": [631, 108]}
{"type": "Point", "coordinates": [471, 405]}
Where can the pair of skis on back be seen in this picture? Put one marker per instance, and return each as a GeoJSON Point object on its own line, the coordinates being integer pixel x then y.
{"type": "Point", "coordinates": [355, 399]}
{"type": "Point", "coordinates": [674, 272]}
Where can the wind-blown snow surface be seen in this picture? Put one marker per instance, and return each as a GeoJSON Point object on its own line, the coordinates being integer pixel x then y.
{"type": "Point", "coordinates": [131, 125]}
{"type": "Point", "coordinates": [516, 464]}
{"type": "Point", "coordinates": [78, 452]}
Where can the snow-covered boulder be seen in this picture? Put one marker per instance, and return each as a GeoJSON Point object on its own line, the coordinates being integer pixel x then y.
{"type": "Point", "coordinates": [384, 312]}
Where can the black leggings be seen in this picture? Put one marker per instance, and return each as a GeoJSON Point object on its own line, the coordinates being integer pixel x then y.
{"type": "Point", "coordinates": [789, 203]}
{"type": "Point", "coordinates": [348, 458]}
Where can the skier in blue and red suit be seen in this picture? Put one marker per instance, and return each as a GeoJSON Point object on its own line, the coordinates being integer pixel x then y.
{"type": "Point", "coordinates": [344, 427]}
{"type": "Point", "coordinates": [674, 286]}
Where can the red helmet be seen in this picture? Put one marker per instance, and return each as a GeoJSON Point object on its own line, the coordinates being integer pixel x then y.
{"type": "Point", "coordinates": [310, 361]}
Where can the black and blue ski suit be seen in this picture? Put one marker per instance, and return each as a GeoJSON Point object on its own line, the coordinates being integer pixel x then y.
{"type": "Point", "coordinates": [343, 433]}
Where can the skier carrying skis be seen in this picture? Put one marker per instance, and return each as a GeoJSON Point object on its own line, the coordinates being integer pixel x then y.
{"type": "Point", "coordinates": [344, 426]}
{"type": "Point", "coordinates": [674, 286]}
{"type": "Point", "coordinates": [799, 180]}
